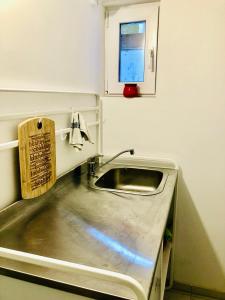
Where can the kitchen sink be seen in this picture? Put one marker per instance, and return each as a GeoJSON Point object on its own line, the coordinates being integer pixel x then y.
{"type": "Point", "coordinates": [134, 180]}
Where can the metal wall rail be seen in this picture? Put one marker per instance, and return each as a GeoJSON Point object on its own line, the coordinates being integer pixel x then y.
{"type": "Point", "coordinates": [14, 116]}
{"type": "Point", "coordinates": [61, 265]}
{"type": "Point", "coordinates": [48, 91]}
{"type": "Point", "coordinates": [59, 132]}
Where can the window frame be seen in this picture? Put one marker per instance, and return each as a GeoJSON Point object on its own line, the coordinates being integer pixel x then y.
{"type": "Point", "coordinates": [125, 14]}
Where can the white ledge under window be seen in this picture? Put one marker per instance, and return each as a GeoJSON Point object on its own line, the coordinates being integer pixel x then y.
{"type": "Point", "coordinates": [110, 3]}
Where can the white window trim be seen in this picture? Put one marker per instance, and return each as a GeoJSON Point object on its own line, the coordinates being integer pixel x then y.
{"type": "Point", "coordinates": [132, 13]}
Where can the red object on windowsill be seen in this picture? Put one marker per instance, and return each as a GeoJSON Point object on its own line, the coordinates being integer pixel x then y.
{"type": "Point", "coordinates": [130, 90]}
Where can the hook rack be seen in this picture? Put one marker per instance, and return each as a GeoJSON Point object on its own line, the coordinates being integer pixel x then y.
{"type": "Point", "coordinates": [14, 144]}
{"type": "Point", "coordinates": [7, 117]}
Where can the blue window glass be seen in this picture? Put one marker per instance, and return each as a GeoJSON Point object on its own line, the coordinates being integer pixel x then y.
{"type": "Point", "coordinates": [132, 51]}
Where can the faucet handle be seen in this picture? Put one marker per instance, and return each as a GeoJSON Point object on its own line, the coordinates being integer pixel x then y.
{"type": "Point", "coordinates": [94, 158]}
{"type": "Point", "coordinates": [92, 161]}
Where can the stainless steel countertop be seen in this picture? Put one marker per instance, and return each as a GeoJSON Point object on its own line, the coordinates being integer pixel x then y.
{"type": "Point", "coordinates": [72, 222]}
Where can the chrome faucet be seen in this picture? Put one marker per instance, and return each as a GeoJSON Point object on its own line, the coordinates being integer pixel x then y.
{"type": "Point", "coordinates": [92, 162]}
{"type": "Point", "coordinates": [115, 156]}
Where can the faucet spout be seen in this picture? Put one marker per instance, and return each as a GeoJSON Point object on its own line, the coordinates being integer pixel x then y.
{"type": "Point", "coordinates": [93, 164]}
{"type": "Point", "coordinates": [117, 155]}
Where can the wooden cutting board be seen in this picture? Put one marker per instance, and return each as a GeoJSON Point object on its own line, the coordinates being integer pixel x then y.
{"type": "Point", "coordinates": [37, 156]}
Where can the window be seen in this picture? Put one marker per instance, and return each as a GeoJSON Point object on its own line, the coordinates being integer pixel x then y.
{"type": "Point", "coordinates": [131, 44]}
{"type": "Point", "coordinates": [132, 52]}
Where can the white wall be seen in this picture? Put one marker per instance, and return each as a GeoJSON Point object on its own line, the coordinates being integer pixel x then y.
{"type": "Point", "coordinates": [50, 45]}
{"type": "Point", "coordinates": [185, 122]}
{"type": "Point", "coordinates": [47, 45]}
{"type": "Point", "coordinates": [19, 289]}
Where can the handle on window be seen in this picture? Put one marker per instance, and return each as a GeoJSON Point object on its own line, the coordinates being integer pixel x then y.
{"type": "Point", "coordinates": [152, 60]}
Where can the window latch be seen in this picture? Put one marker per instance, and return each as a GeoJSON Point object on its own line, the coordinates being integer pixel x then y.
{"type": "Point", "coordinates": [152, 60]}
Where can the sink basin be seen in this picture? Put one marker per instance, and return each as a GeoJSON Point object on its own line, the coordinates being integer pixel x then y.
{"type": "Point", "coordinates": [134, 180]}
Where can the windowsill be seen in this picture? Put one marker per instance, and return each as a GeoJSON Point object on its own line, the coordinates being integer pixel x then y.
{"type": "Point", "coordinates": [121, 96]}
